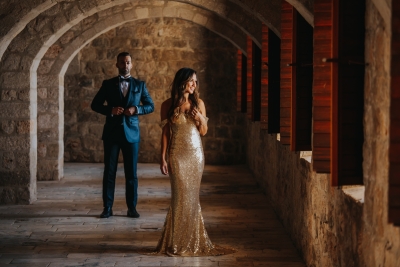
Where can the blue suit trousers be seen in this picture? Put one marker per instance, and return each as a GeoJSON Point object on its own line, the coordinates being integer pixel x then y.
{"type": "Point", "coordinates": [112, 145]}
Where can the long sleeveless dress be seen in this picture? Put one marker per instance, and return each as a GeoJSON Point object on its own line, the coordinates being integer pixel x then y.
{"type": "Point", "coordinates": [184, 233]}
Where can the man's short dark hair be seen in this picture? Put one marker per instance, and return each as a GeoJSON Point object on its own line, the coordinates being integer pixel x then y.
{"type": "Point", "coordinates": [123, 54]}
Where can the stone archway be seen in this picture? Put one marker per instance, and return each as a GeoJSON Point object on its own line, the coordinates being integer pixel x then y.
{"type": "Point", "coordinates": [56, 61]}
{"type": "Point", "coordinates": [22, 59]}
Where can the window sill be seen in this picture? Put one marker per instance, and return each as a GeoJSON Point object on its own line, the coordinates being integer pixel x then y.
{"type": "Point", "coordinates": [356, 192]}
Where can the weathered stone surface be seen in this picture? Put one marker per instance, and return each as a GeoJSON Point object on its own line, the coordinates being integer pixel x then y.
{"type": "Point", "coordinates": [23, 127]}
{"type": "Point", "coordinates": [17, 177]}
{"type": "Point", "coordinates": [8, 95]}
{"type": "Point", "coordinates": [11, 62]}
{"type": "Point", "coordinates": [53, 51]}
{"type": "Point", "coordinates": [7, 127]}
{"type": "Point", "coordinates": [8, 161]}
{"type": "Point", "coordinates": [42, 93]}
{"type": "Point", "coordinates": [14, 110]}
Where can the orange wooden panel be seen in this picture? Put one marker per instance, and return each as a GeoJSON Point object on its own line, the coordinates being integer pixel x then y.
{"type": "Point", "coordinates": [264, 78]}
{"type": "Point", "coordinates": [239, 81]}
{"type": "Point", "coordinates": [322, 85]}
{"type": "Point", "coordinates": [287, 22]}
{"type": "Point", "coordinates": [249, 77]}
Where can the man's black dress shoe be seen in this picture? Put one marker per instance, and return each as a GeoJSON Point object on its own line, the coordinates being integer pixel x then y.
{"type": "Point", "coordinates": [107, 212]}
{"type": "Point", "coordinates": [132, 213]}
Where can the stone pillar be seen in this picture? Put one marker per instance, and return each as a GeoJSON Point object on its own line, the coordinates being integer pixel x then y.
{"type": "Point", "coordinates": [17, 137]}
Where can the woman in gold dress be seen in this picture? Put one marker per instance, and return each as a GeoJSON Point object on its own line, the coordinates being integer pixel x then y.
{"type": "Point", "coordinates": [184, 120]}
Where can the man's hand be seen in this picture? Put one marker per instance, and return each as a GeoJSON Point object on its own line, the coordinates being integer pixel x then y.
{"type": "Point", "coordinates": [117, 111]}
{"type": "Point", "coordinates": [130, 111]}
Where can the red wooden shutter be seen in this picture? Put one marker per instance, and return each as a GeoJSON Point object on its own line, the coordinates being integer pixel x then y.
{"type": "Point", "coordinates": [249, 77]}
{"type": "Point", "coordinates": [256, 103]}
{"type": "Point", "coordinates": [239, 70]}
{"type": "Point", "coordinates": [322, 86]}
{"type": "Point", "coordinates": [394, 142]}
{"type": "Point", "coordinates": [287, 71]}
{"type": "Point", "coordinates": [264, 79]}
{"type": "Point", "coordinates": [348, 93]}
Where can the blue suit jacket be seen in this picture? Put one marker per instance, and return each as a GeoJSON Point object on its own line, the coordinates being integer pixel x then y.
{"type": "Point", "coordinates": [110, 92]}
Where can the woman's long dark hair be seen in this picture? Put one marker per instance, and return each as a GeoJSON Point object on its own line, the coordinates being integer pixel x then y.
{"type": "Point", "coordinates": [182, 77]}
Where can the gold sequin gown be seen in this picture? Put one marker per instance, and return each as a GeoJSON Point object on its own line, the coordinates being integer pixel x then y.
{"type": "Point", "coordinates": [184, 233]}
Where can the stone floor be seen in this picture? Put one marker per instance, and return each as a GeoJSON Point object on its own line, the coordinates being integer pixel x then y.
{"type": "Point", "coordinates": [63, 228]}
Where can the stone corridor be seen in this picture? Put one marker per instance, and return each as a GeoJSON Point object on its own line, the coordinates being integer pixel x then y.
{"type": "Point", "coordinates": [63, 228]}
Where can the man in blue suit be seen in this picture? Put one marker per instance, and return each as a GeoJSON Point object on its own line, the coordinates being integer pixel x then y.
{"type": "Point", "coordinates": [126, 98]}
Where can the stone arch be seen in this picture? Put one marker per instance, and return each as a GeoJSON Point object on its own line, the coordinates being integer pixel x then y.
{"type": "Point", "coordinates": [22, 59]}
{"type": "Point", "coordinates": [305, 8]}
{"type": "Point", "coordinates": [51, 166]}
{"type": "Point", "coordinates": [19, 17]}
{"type": "Point", "coordinates": [23, 56]}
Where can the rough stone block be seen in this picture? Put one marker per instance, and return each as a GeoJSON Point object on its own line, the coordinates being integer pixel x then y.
{"type": "Point", "coordinates": [7, 127]}
{"type": "Point", "coordinates": [8, 161]}
{"type": "Point", "coordinates": [48, 80]}
{"type": "Point", "coordinates": [44, 121]}
{"type": "Point", "coordinates": [45, 66]}
{"type": "Point", "coordinates": [8, 95]}
{"type": "Point", "coordinates": [23, 127]}
{"type": "Point", "coordinates": [9, 80]}
{"type": "Point", "coordinates": [92, 143]}
{"type": "Point", "coordinates": [96, 130]}
{"type": "Point", "coordinates": [7, 195]}
{"type": "Point", "coordinates": [200, 19]}
{"type": "Point", "coordinates": [24, 95]}
{"type": "Point", "coordinates": [42, 93]}
{"type": "Point", "coordinates": [222, 132]}
{"type": "Point", "coordinates": [87, 6]}
{"type": "Point", "coordinates": [142, 13]}
{"type": "Point", "coordinates": [14, 110]}
{"type": "Point", "coordinates": [229, 146]}
{"type": "Point", "coordinates": [17, 177]}
{"type": "Point", "coordinates": [53, 51]}
{"type": "Point", "coordinates": [212, 145]}
{"type": "Point", "coordinates": [22, 160]}
{"type": "Point", "coordinates": [41, 150]}
{"type": "Point", "coordinates": [11, 62]}
{"type": "Point", "coordinates": [52, 151]}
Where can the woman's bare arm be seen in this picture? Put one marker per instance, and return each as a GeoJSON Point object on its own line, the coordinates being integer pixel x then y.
{"type": "Point", "coordinates": [165, 136]}
{"type": "Point", "coordinates": [201, 118]}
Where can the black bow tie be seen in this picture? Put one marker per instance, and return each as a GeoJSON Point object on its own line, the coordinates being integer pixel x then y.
{"type": "Point", "coordinates": [121, 79]}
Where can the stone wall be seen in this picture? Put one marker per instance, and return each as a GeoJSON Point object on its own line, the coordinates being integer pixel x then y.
{"type": "Point", "coordinates": [382, 247]}
{"type": "Point", "coordinates": [324, 223]}
{"type": "Point", "coordinates": [329, 227]}
{"type": "Point", "coordinates": [159, 47]}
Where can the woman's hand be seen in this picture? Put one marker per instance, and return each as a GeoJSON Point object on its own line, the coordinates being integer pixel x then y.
{"type": "Point", "coordinates": [199, 118]}
{"type": "Point", "coordinates": [164, 167]}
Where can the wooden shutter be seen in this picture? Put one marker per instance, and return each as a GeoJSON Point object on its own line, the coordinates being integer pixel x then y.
{"type": "Point", "coordinates": [394, 141]}
{"type": "Point", "coordinates": [239, 81]}
{"type": "Point", "coordinates": [322, 86]}
{"type": "Point", "coordinates": [287, 21]}
{"type": "Point", "coordinates": [302, 80]}
{"type": "Point", "coordinates": [264, 79]}
{"type": "Point", "coordinates": [348, 92]}
{"type": "Point", "coordinates": [274, 82]}
{"type": "Point", "coordinates": [256, 94]}
{"type": "Point", "coordinates": [241, 73]}
{"type": "Point", "coordinates": [249, 77]}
